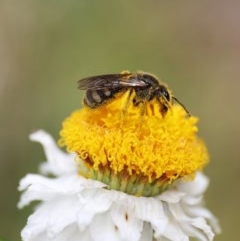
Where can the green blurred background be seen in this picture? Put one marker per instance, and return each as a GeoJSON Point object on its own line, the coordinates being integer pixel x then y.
{"type": "Point", "coordinates": [46, 46]}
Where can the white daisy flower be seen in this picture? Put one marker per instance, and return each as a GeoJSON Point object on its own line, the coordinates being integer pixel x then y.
{"type": "Point", "coordinates": [126, 178]}
{"type": "Point", "coordinates": [75, 208]}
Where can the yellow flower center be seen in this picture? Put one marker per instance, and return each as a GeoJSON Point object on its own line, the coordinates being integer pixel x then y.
{"type": "Point", "coordinates": [129, 147]}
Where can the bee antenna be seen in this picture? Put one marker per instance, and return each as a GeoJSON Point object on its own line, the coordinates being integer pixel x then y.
{"type": "Point", "coordinates": [181, 105]}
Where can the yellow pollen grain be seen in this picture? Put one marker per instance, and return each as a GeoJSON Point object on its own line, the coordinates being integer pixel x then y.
{"type": "Point", "coordinates": [118, 137]}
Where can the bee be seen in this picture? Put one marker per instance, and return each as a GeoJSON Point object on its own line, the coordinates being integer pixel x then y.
{"type": "Point", "coordinates": [104, 88]}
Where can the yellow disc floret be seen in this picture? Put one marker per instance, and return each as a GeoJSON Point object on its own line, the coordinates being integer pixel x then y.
{"type": "Point", "coordinates": [134, 143]}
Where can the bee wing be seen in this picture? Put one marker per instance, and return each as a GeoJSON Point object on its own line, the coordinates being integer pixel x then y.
{"type": "Point", "coordinates": [110, 81]}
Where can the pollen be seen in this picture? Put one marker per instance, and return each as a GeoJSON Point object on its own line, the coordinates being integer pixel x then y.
{"type": "Point", "coordinates": [134, 148]}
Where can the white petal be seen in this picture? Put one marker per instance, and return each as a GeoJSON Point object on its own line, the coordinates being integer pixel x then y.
{"type": "Point", "coordinates": [52, 217]}
{"type": "Point", "coordinates": [192, 231]}
{"type": "Point", "coordinates": [84, 219]}
{"type": "Point", "coordinates": [171, 196]}
{"type": "Point", "coordinates": [42, 188]}
{"type": "Point", "coordinates": [187, 221]}
{"type": "Point", "coordinates": [58, 162]}
{"type": "Point", "coordinates": [151, 210]}
{"type": "Point", "coordinates": [92, 202]}
{"type": "Point", "coordinates": [128, 225]}
{"type": "Point", "coordinates": [196, 187]}
{"type": "Point", "coordinates": [95, 200]}
{"type": "Point", "coordinates": [201, 224]}
{"type": "Point", "coordinates": [147, 232]}
{"type": "Point", "coordinates": [103, 228]}
{"type": "Point", "coordinates": [71, 232]}
{"type": "Point", "coordinates": [192, 200]}
{"type": "Point", "coordinates": [206, 214]}
{"type": "Point", "coordinates": [173, 232]}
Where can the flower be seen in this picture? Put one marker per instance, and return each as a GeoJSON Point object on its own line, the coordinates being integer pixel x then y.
{"type": "Point", "coordinates": [130, 176]}
{"type": "Point", "coordinates": [75, 208]}
{"type": "Point", "coordinates": [147, 150]}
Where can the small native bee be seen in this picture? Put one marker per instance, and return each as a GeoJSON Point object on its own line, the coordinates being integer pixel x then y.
{"type": "Point", "coordinates": [103, 88]}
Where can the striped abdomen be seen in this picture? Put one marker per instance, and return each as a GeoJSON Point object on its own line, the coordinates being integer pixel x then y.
{"type": "Point", "coordinates": [95, 98]}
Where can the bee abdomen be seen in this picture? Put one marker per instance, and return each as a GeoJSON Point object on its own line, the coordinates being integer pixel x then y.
{"type": "Point", "coordinates": [94, 98]}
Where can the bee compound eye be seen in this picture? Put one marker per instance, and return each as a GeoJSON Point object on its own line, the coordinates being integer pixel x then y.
{"type": "Point", "coordinates": [165, 93]}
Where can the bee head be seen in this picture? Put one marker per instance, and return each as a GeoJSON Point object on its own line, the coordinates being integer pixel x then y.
{"type": "Point", "coordinates": [164, 93]}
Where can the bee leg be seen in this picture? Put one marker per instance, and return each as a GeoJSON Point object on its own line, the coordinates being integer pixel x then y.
{"type": "Point", "coordinates": [126, 104]}
{"type": "Point", "coordinates": [164, 106]}
{"type": "Point", "coordinates": [142, 108]}
{"type": "Point", "coordinates": [141, 103]}
{"type": "Point", "coordinates": [164, 110]}
{"type": "Point", "coordinates": [137, 101]}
